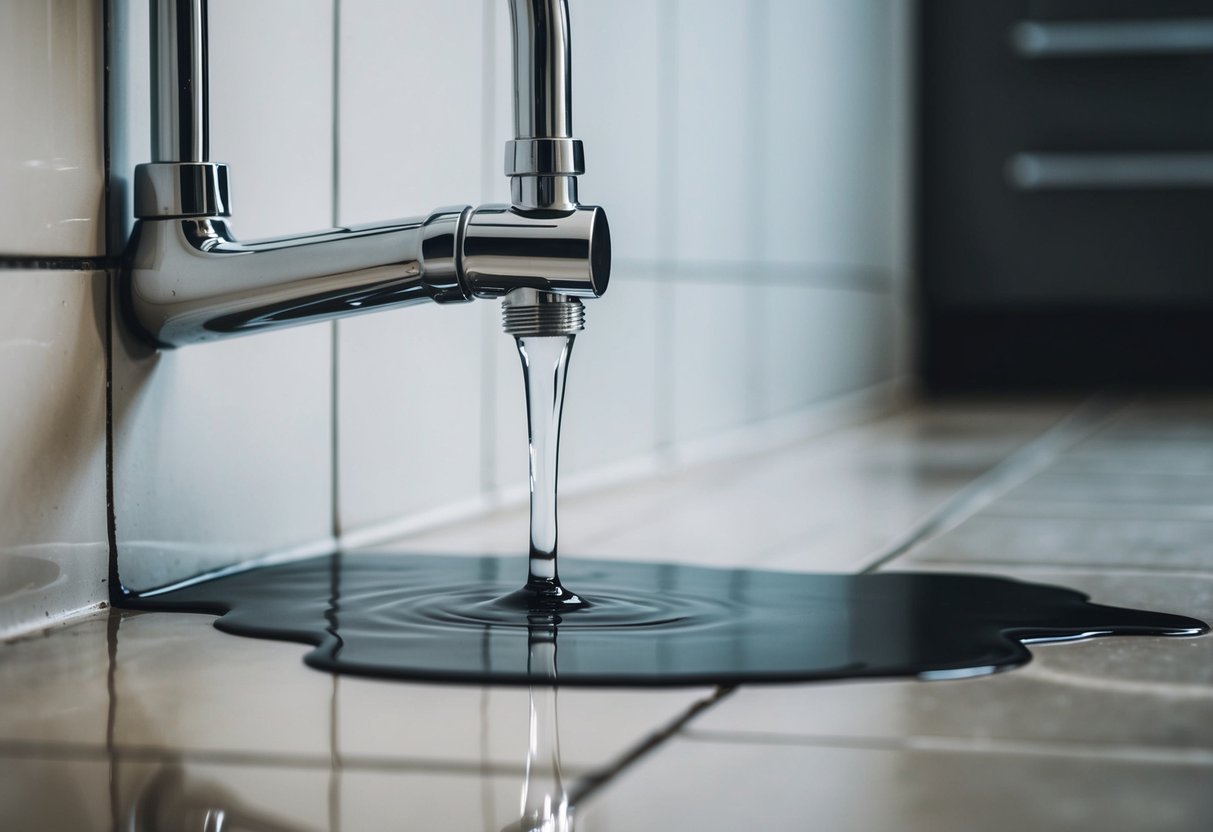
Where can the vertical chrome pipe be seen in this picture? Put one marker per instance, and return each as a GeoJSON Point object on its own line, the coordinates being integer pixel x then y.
{"type": "Point", "coordinates": [543, 106]}
{"type": "Point", "coordinates": [544, 159]}
{"type": "Point", "coordinates": [180, 132]}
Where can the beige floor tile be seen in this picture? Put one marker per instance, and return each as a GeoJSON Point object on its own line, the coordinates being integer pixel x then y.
{"type": "Point", "coordinates": [476, 725]}
{"type": "Point", "coordinates": [1173, 491]}
{"type": "Point", "coordinates": [1109, 693]}
{"type": "Point", "coordinates": [1188, 418]}
{"type": "Point", "coordinates": [177, 795]}
{"type": "Point", "coordinates": [377, 801]}
{"type": "Point", "coordinates": [726, 786]}
{"type": "Point", "coordinates": [52, 686]}
{"type": "Point", "coordinates": [183, 685]}
{"type": "Point", "coordinates": [835, 502]}
{"type": "Point", "coordinates": [1100, 455]}
{"type": "Point", "coordinates": [48, 794]}
{"type": "Point", "coordinates": [1123, 539]}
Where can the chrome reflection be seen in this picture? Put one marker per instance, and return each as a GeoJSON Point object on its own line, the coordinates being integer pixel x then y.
{"type": "Point", "coordinates": [170, 803]}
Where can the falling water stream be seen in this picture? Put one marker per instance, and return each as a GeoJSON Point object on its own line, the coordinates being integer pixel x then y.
{"type": "Point", "coordinates": [545, 365]}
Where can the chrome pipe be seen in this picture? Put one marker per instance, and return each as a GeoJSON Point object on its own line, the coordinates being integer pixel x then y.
{"type": "Point", "coordinates": [543, 102]}
{"type": "Point", "coordinates": [180, 128]}
{"type": "Point", "coordinates": [544, 160]}
{"type": "Point", "coordinates": [190, 279]}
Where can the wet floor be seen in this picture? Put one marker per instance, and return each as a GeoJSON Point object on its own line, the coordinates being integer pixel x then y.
{"type": "Point", "coordinates": [156, 719]}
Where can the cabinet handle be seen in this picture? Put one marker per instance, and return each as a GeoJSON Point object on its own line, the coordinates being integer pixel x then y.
{"type": "Point", "coordinates": [1082, 171]}
{"type": "Point", "coordinates": [1112, 38]}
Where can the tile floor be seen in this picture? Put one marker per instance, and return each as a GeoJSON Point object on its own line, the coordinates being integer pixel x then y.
{"type": "Point", "coordinates": [147, 722]}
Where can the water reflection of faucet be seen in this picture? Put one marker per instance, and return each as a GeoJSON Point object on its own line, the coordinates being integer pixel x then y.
{"type": "Point", "coordinates": [191, 280]}
{"type": "Point", "coordinates": [545, 802]}
{"type": "Point", "coordinates": [167, 804]}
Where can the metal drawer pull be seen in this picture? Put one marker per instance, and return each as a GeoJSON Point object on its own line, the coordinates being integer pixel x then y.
{"type": "Point", "coordinates": [1062, 171]}
{"type": "Point", "coordinates": [1110, 38]}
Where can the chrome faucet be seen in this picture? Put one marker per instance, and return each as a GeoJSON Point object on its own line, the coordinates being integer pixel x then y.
{"type": "Point", "coordinates": [189, 279]}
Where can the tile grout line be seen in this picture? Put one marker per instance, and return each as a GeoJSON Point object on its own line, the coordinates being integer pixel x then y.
{"type": "Point", "coordinates": [667, 230]}
{"type": "Point", "coordinates": [487, 330]}
{"type": "Point", "coordinates": [334, 326]}
{"type": "Point", "coordinates": [1014, 469]}
{"type": "Point", "coordinates": [589, 784]}
{"type": "Point", "coordinates": [58, 263]}
{"type": "Point", "coordinates": [113, 588]}
{"type": "Point", "coordinates": [1140, 570]}
{"type": "Point", "coordinates": [1201, 756]}
{"type": "Point", "coordinates": [843, 275]}
{"type": "Point", "coordinates": [317, 761]}
{"type": "Point", "coordinates": [759, 77]}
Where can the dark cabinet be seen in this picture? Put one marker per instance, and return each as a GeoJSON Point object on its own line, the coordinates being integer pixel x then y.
{"type": "Point", "coordinates": [1065, 192]}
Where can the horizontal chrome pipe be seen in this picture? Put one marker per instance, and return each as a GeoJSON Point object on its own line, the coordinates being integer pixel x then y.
{"type": "Point", "coordinates": [190, 280]}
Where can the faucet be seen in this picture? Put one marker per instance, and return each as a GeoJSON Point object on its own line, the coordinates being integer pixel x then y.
{"type": "Point", "coordinates": [189, 279]}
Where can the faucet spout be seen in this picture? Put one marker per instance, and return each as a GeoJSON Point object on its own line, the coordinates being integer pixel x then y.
{"type": "Point", "coordinates": [189, 279]}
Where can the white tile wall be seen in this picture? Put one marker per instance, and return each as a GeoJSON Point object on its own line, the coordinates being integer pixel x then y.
{"type": "Point", "coordinates": [223, 453]}
{"type": "Point", "coordinates": [412, 127]}
{"type": "Point", "coordinates": [716, 135]}
{"type": "Point", "coordinates": [413, 134]}
{"type": "Point", "coordinates": [711, 360]}
{"type": "Point", "coordinates": [717, 166]}
{"type": "Point", "coordinates": [832, 131]}
{"type": "Point", "coordinates": [272, 111]}
{"type": "Point", "coordinates": [409, 411]}
{"type": "Point", "coordinates": [705, 124]}
{"type": "Point", "coordinates": [809, 352]}
{"type": "Point", "coordinates": [51, 147]}
{"type": "Point", "coordinates": [617, 114]}
{"type": "Point", "coordinates": [53, 543]}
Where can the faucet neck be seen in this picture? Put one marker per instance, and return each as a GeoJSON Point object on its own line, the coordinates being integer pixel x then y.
{"type": "Point", "coordinates": [543, 107]}
{"type": "Point", "coordinates": [544, 160]}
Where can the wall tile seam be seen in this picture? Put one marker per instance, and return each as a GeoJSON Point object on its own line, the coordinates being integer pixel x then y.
{"type": "Point", "coordinates": [335, 524]}
{"type": "Point", "coordinates": [56, 263]}
{"type": "Point", "coordinates": [667, 217]}
{"type": "Point", "coordinates": [487, 475]}
{"type": "Point", "coordinates": [886, 286]}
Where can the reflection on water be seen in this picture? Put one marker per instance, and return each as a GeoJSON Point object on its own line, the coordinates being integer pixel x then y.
{"type": "Point", "coordinates": [545, 802]}
{"type": "Point", "coordinates": [172, 800]}
{"type": "Point", "coordinates": [169, 802]}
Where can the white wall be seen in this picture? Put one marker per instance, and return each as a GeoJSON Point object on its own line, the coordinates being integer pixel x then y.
{"type": "Point", "coordinates": [752, 158]}
{"type": "Point", "coordinates": [53, 544]}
